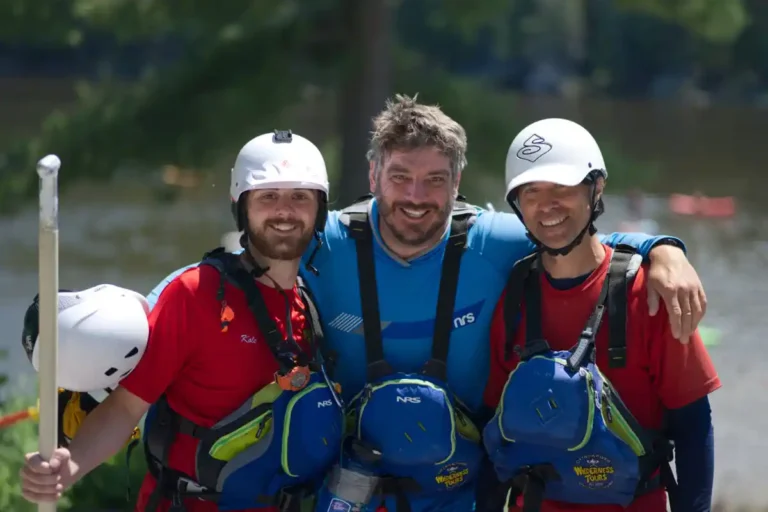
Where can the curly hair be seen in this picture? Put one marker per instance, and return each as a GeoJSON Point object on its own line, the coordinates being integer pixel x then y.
{"type": "Point", "coordinates": [405, 124]}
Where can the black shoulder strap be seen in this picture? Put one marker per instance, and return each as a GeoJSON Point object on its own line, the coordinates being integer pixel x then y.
{"type": "Point", "coordinates": [624, 267]}
{"type": "Point", "coordinates": [231, 270]}
{"type": "Point", "coordinates": [513, 299]}
{"type": "Point", "coordinates": [523, 282]}
{"type": "Point", "coordinates": [356, 219]}
{"type": "Point", "coordinates": [313, 316]}
{"type": "Point", "coordinates": [462, 217]}
{"type": "Point", "coordinates": [613, 297]}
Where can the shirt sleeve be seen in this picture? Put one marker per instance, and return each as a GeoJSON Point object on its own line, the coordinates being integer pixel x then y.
{"type": "Point", "coordinates": [498, 371]}
{"type": "Point", "coordinates": [169, 344]}
{"type": "Point", "coordinates": [682, 373]}
{"type": "Point", "coordinates": [640, 241]}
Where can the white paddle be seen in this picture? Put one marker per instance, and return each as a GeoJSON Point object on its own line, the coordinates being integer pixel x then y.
{"type": "Point", "coordinates": [48, 277]}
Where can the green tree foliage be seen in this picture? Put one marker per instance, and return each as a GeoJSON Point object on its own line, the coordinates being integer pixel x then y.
{"type": "Point", "coordinates": [245, 62]}
{"type": "Point", "coordinates": [719, 21]}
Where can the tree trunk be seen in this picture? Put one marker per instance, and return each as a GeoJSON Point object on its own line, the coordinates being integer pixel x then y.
{"type": "Point", "coordinates": [366, 84]}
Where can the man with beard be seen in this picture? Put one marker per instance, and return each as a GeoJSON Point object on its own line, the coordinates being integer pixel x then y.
{"type": "Point", "coordinates": [414, 264]}
{"type": "Point", "coordinates": [231, 364]}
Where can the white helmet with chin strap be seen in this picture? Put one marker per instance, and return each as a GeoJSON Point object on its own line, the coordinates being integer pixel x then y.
{"type": "Point", "coordinates": [556, 151]}
{"type": "Point", "coordinates": [279, 160]}
{"type": "Point", "coordinates": [103, 333]}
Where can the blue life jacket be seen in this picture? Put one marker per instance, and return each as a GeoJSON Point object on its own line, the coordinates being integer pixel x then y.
{"type": "Point", "coordinates": [273, 450]}
{"type": "Point", "coordinates": [561, 431]}
{"type": "Point", "coordinates": [411, 424]}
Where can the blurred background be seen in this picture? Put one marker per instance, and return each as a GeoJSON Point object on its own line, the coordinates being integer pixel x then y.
{"type": "Point", "coordinates": [147, 103]}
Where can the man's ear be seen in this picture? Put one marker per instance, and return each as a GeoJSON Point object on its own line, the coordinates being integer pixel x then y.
{"type": "Point", "coordinates": [456, 183]}
{"type": "Point", "coordinates": [372, 176]}
{"type": "Point", "coordinates": [599, 187]}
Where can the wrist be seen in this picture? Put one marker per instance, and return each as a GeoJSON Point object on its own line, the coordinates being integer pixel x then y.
{"type": "Point", "coordinates": [70, 475]}
{"type": "Point", "coordinates": [666, 247]}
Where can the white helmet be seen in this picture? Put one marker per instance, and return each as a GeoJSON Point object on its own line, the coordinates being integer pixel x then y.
{"type": "Point", "coordinates": [554, 150]}
{"type": "Point", "coordinates": [279, 160]}
{"type": "Point", "coordinates": [103, 333]}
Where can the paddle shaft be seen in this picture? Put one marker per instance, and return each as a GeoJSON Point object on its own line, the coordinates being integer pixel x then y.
{"type": "Point", "coordinates": [48, 275]}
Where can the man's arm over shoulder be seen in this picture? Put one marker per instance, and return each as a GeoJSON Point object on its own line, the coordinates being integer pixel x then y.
{"type": "Point", "coordinates": [170, 339]}
{"type": "Point", "coordinates": [501, 237]}
{"type": "Point", "coordinates": [157, 290]}
{"type": "Point", "coordinates": [640, 241]}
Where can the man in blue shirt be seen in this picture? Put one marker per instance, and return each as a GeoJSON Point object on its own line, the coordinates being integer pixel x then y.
{"type": "Point", "coordinates": [416, 161]}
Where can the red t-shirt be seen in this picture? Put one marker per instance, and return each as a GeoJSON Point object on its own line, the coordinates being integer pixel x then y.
{"type": "Point", "coordinates": [660, 372]}
{"type": "Point", "coordinates": [206, 373]}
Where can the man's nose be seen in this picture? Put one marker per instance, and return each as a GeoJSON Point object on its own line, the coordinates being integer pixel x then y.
{"type": "Point", "coordinates": [284, 207]}
{"type": "Point", "coordinates": [416, 191]}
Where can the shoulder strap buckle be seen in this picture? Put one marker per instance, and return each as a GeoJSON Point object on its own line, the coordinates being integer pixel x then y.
{"type": "Point", "coordinates": [532, 348]}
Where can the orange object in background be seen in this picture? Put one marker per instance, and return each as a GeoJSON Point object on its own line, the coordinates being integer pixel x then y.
{"type": "Point", "coordinates": [702, 206]}
{"type": "Point", "coordinates": [15, 417]}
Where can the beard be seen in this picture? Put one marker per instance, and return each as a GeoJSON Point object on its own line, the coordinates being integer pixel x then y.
{"type": "Point", "coordinates": [412, 233]}
{"type": "Point", "coordinates": [274, 245]}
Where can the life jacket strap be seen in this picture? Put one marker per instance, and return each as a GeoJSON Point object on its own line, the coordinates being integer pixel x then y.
{"type": "Point", "coordinates": [356, 219]}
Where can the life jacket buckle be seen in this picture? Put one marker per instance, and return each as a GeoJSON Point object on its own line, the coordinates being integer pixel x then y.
{"type": "Point", "coordinates": [283, 500]}
{"type": "Point", "coordinates": [532, 348]}
{"type": "Point", "coordinates": [294, 379]}
{"type": "Point", "coordinates": [290, 498]}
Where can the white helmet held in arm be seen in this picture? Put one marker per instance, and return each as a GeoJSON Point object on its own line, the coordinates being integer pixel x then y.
{"type": "Point", "coordinates": [103, 333]}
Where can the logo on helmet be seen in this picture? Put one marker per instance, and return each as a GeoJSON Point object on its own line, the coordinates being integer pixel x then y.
{"type": "Point", "coordinates": [534, 148]}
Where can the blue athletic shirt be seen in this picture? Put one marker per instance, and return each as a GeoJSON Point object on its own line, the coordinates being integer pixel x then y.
{"type": "Point", "coordinates": [408, 298]}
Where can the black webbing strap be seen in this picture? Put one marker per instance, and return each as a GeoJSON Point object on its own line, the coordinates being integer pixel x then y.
{"type": "Point", "coordinates": [437, 366]}
{"type": "Point", "coordinates": [620, 274]}
{"type": "Point", "coordinates": [585, 347]}
{"type": "Point", "coordinates": [360, 230]}
{"type": "Point", "coordinates": [231, 269]}
{"type": "Point", "coordinates": [356, 219]}
{"type": "Point", "coordinates": [513, 297]}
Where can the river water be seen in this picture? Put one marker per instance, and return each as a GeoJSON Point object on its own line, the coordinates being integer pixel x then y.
{"type": "Point", "coordinates": [136, 243]}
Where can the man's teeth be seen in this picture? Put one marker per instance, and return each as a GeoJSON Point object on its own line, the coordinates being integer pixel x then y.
{"type": "Point", "coordinates": [551, 223]}
{"type": "Point", "coordinates": [414, 214]}
{"type": "Point", "coordinates": [283, 226]}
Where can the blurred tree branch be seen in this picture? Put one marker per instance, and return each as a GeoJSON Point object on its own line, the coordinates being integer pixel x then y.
{"type": "Point", "coordinates": [245, 62]}
{"type": "Point", "coordinates": [719, 21]}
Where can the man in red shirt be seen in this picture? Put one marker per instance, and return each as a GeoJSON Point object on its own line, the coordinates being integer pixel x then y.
{"type": "Point", "coordinates": [542, 438]}
{"type": "Point", "coordinates": [210, 352]}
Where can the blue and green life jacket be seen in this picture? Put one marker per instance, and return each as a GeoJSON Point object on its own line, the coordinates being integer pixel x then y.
{"type": "Point", "coordinates": [561, 432]}
{"type": "Point", "coordinates": [416, 430]}
{"type": "Point", "coordinates": [276, 448]}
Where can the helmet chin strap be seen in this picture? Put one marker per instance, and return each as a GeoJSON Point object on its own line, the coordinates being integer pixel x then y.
{"type": "Point", "coordinates": [597, 209]}
{"type": "Point", "coordinates": [562, 251]}
{"type": "Point", "coordinates": [238, 210]}
{"type": "Point", "coordinates": [258, 270]}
